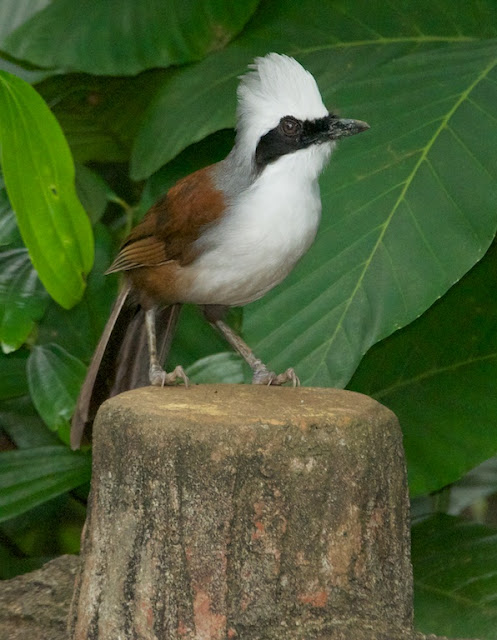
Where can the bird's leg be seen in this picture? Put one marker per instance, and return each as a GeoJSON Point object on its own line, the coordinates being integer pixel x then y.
{"type": "Point", "coordinates": [157, 376]}
{"type": "Point", "coordinates": [262, 375]}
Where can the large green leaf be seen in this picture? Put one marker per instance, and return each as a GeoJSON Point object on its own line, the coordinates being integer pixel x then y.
{"type": "Point", "coordinates": [29, 74]}
{"type": "Point", "coordinates": [22, 298]}
{"type": "Point", "coordinates": [194, 339]}
{"type": "Point", "coordinates": [40, 184]}
{"type": "Point", "coordinates": [455, 578]}
{"type": "Point", "coordinates": [401, 222]}
{"type": "Point", "coordinates": [43, 533]}
{"type": "Point", "coordinates": [13, 13]}
{"type": "Point", "coordinates": [438, 375]}
{"type": "Point", "coordinates": [339, 41]}
{"type": "Point", "coordinates": [209, 150]}
{"type": "Point", "coordinates": [205, 96]}
{"type": "Point", "coordinates": [473, 490]}
{"type": "Point", "coordinates": [54, 378]}
{"type": "Point", "coordinates": [22, 423]}
{"type": "Point", "coordinates": [121, 37]}
{"type": "Point", "coordinates": [96, 113]}
{"type": "Point", "coordinates": [32, 476]}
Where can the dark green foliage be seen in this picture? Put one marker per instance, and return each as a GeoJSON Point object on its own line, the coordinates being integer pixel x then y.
{"type": "Point", "coordinates": [382, 301]}
{"type": "Point", "coordinates": [455, 578]}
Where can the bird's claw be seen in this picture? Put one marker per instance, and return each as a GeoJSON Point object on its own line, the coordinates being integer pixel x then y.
{"type": "Point", "coordinates": [160, 378]}
{"type": "Point", "coordinates": [287, 376]}
{"type": "Point", "coordinates": [263, 376]}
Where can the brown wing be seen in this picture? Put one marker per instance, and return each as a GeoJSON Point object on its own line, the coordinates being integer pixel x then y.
{"type": "Point", "coordinates": [172, 225]}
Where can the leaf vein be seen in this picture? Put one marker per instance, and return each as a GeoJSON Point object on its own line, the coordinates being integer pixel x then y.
{"type": "Point", "coordinates": [431, 373]}
{"type": "Point", "coordinates": [445, 120]}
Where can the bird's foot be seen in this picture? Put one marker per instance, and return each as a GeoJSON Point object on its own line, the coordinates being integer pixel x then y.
{"type": "Point", "coordinates": [160, 378]}
{"type": "Point", "coordinates": [262, 375]}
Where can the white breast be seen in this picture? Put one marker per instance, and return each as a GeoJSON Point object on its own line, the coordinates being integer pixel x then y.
{"type": "Point", "coordinates": [265, 232]}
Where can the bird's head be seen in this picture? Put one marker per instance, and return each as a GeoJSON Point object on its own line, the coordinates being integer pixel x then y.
{"type": "Point", "coordinates": [280, 111]}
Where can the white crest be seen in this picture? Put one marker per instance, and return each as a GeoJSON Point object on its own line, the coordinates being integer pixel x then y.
{"type": "Point", "coordinates": [277, 86]}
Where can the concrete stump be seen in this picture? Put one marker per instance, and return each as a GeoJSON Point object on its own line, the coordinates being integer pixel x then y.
{"type": "Point", "coordinates": [245, 512]}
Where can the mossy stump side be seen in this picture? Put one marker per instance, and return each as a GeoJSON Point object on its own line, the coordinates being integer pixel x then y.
{"type": "Point", "coordinates": [245, 512]}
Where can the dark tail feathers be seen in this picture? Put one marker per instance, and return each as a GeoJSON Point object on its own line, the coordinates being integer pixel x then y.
{"type": "Point", "coordinates": [120, 361]}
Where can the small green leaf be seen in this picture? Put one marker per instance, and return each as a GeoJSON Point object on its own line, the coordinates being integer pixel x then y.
{"type": "Point", "coordinates": [22, 298]}
{"type": "Point", "coordinates": [54, 378]}
{"type": "Point", "coordinates": [219, 368]}
{"type": "Point", "coordinates": [9, 233]}
{"type": "Point", "coordinates": [473, 489]}
{"type": "Point", "coordinates": [40, 184]}
{"type": "Point", "coordinates": [455, 578]}
{"type": "Point", "coordinates": [29, 477]}
{"type": "Point", "coordinates": [93, 192]}
{"type": "Point", "coordinates": [78, 330]}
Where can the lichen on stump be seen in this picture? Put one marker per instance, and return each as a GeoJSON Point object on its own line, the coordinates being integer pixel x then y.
{"type": "Point", "coordinates": [245, 512]}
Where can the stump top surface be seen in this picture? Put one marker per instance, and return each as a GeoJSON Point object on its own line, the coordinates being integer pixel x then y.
{"type": "Point", "coordinates": [251, 403]}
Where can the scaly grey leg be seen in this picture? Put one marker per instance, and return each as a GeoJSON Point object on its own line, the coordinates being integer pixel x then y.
{"type": "Point", "coordinates": [262, 375]}
{"type": "Point", "coordinates": [157, 376]}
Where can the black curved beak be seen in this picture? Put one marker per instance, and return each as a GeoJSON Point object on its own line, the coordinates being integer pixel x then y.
{"type": "Point", "coordinates": [343, 127]}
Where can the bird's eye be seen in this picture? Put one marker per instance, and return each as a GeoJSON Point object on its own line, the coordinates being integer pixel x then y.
{"type": "Point", "coordinates": [290, 126]}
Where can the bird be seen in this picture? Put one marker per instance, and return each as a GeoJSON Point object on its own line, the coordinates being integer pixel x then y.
{"type": "Point", "coordinates": [222, 236]}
